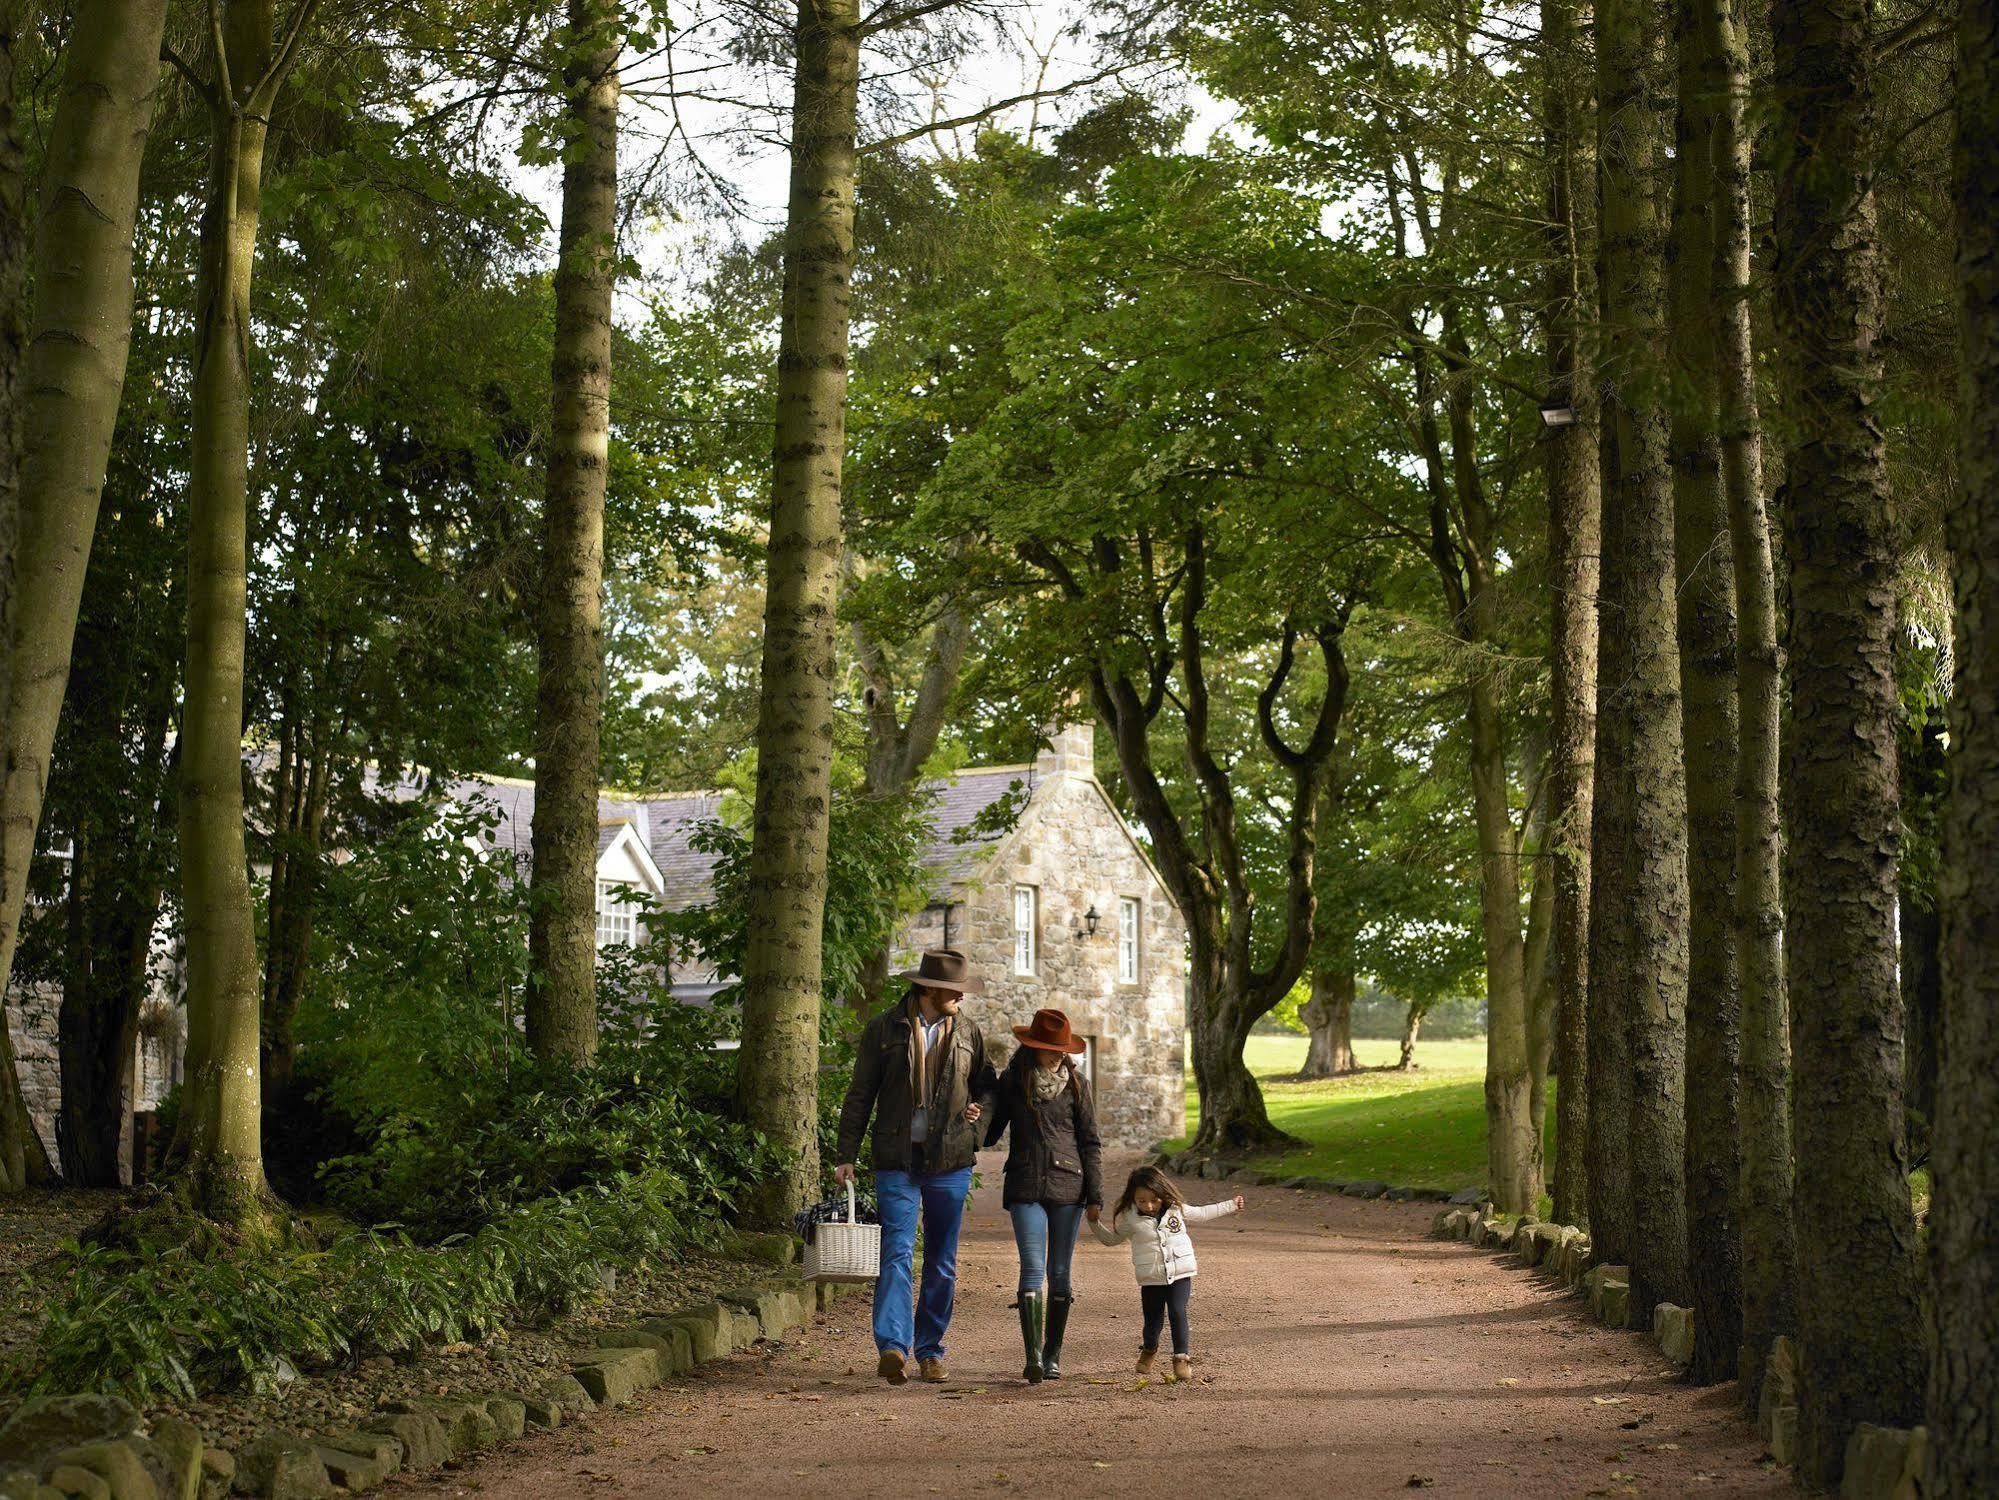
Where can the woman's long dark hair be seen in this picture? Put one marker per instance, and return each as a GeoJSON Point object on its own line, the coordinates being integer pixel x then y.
{"type": "Point", "coordinates": [1150, 1180]}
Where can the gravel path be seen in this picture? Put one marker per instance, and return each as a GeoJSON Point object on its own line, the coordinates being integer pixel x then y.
{"type": "Point", "coordinates": [1337, 1351]}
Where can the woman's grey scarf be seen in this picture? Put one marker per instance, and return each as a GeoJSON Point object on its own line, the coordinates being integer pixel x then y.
{"type": "Point", "coordinates": [1048, 1082]}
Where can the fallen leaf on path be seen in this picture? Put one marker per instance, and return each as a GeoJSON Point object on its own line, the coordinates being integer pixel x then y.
{"type": "Point", "coordinates": [1609, 1400]}
{"type": "Point", "coordinates": [1507, 1380]}
{"type": "Point", "coordinates": [1100, 1464]}
{"type": "Point", "coordinates": [1419, 1482]}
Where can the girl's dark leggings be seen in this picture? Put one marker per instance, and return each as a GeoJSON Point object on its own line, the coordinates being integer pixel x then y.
{"type": "Point", "coordinates": [1163, 1302]}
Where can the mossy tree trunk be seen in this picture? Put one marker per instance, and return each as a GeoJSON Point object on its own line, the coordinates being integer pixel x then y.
{"type": "Point", "coordinates": [1574, 540]}
{"type": "Point", "coordinates": [777, 1080]}
{"type": "Point", "coordinates": [561, 996]}
{"type": "Point", "coordinates": [1763, 1073]}
{"type": "Point", "coordinates": [1706, 592]}
{"type": "Point", "coordinates": [1963, 1407]}
{"type": "Point", "coordinates": [71, 376]}
{"type": "Point", "coordinates": [1632, 95]}
{"type": "Point", "coordinates": [1858, 1324]}
{"type": "Point", "coordinates": [222, 1118]}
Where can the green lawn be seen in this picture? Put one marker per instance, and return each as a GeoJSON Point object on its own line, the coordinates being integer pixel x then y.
{"type": "Point", "coordinates": [1420, 1129]}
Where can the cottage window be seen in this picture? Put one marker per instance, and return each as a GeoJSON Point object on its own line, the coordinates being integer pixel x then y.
{"type": "Point", "coordinates": [615, 921]}
{"type": "Point", "coordinates": [1026, 944]}
{"type": "Point", "coordinates": [1127, 940]}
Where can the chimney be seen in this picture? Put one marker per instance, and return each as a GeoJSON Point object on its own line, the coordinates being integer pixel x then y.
{"type": "Point", "coordinates": [1072, 750]}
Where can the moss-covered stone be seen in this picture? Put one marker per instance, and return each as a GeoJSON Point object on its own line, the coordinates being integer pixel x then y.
{"type": "Point", "coordinates": [509, 1414]}
{"type": "Point", "coordinates": [180, 1447]}
{"type": "Point", "coordinates": [46, 1425]}
{"type": "Point", "coordinates": [421, 1436]}
{"type": "Point", "coordinates": [614, 1376]}
{"type": "Point", "coordinates": [281, 1466]}
{"type": "Point", "coordinates": [84, 1484]}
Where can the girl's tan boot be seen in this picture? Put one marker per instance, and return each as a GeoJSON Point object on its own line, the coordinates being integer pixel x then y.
{"type": "Point", "coordinates": [1145, 1359]}
{"type": "Point", "coordinates": [1183, 1367]}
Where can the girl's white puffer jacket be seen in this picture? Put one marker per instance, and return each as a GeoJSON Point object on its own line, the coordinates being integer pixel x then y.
{"type": "Point", "coordinates": [1162, 1252]}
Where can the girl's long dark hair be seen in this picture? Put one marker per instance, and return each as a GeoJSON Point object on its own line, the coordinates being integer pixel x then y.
{"type": "Point", "coordinates": [1153, 1181]}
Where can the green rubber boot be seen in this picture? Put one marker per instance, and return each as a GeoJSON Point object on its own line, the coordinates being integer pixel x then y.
{"type": "Point", "coordinates": [1033, 1310]}
{"type": "Point", "coordinates": [1051, 1344]}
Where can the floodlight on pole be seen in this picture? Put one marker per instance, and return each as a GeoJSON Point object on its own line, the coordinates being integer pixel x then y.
{"type": "Point", "coordinates": [1556, 412]}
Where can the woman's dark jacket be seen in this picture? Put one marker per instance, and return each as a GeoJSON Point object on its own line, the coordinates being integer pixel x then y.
{"type": "Point", "coordinates": [1055, 1155]}
{"type": "Point", "coordinates": [880, 1088]}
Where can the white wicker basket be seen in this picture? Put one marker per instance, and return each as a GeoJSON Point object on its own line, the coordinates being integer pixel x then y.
{"type": "Point", "coordinates": [844, 1252]}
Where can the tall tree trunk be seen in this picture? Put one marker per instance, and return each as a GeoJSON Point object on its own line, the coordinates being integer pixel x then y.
{"type": "Point", "coordinates": [1607, 1188]}
{"type": "Point", "coordinates": [71, 377]}
{"type": "Point", "coordinates": [1574, 539]}
{"type": "Point", "coordinates": [1513, 1134]}
{"type": "Point", "coordinates": [1858, 1313]}
{"type": "Point", "coordinates": [297, 830]}
{"type": "Point", "coordinates": [18, 1141]}
{"type": "Point", "coordinates": [1920, 964]}
{"type": "Point", "coordinates": [1763, 1201]}
{"type": "Point", "coordinates": [1631, 88]}
{"type": "Point", "coordinates": [1328, 1018]}
{"type": "Point", "coordinates": [223, 1118]}
{"type": "Point", "coordinates": [561, 998]}
{"type": "Point", "coordinates": [1919, 931]}
{"type": "Point", "coordinates": [1963, 1408]}
{"type": "Point", "coordinates": [1708, 699]}
{"type": "Point", "coordinates": [1412, 1026]}
{"type": "Point", "coordinates": [113, 794]}
{"type": "Point", "coordinates": [777, 1078]}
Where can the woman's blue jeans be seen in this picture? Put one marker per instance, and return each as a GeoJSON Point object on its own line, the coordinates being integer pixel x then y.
{"type": "Point", "coordinates": [1045, 1235]}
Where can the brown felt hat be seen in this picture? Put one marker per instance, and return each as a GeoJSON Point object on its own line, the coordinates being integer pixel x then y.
{"type": "Point", "coordinates": [1050, 1032]}
{"type": "Point", "coordinates": [945, 969]}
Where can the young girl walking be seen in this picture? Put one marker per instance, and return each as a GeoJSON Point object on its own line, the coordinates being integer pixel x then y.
{"type": "Point", "coordinates": [1154, 1218]}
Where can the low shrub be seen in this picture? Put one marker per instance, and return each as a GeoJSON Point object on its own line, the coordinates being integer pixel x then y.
{"type": "Point", "coordinates": [172, 1321]}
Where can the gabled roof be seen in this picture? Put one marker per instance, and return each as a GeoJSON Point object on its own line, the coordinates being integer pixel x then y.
{"type": "Point", "coordinates": [666, 825]}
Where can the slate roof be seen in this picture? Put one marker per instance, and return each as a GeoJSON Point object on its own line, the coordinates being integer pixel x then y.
{"type": "Point", "coordinates": [667, 823]}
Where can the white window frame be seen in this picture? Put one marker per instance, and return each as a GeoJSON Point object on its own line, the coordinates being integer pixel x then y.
{"type": "Point", "coordinates": [617, 920]}
{"type": "Point", "coordinates": [1026, 930]}
{"type": "Point", "coordinates": [1129, 925]}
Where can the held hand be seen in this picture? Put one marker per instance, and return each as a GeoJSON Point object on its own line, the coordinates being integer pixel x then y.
{"type": "Point", "coordinates": [1095, 1212]}
{"type": "Point", "coordinates": [972, 1113]}
{"type": "Point", "coordinates": [1238, 1202]}
{"type": "Point", "coordinates": [844, 1174]}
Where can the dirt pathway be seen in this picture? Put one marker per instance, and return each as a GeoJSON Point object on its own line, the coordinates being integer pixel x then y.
{"type": "Point", "coordinates": [1338, 1351]}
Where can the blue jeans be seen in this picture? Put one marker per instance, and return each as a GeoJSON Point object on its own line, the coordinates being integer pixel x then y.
{"type": "Point", "coordinates": [1045, 1235]}
{"type": "Point", "coordinates": [939, 1197]}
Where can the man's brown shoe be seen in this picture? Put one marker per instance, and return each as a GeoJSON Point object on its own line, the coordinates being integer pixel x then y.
{"type": "Point", "coordinates": [932, 1370]}
{"type": "Point", "coordinates": [890, 1366]}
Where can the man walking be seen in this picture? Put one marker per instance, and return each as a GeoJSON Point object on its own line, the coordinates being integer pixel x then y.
{"type": "Point", "coordinates": [922, 1074]}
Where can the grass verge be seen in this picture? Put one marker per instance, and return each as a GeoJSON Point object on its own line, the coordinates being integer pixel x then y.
{"type": "Point", "coordinates": [1424, 1128]}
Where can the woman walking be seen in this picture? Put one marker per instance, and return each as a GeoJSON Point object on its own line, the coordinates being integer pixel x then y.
{"type": "Point", "coordinates": [1054, 1174]}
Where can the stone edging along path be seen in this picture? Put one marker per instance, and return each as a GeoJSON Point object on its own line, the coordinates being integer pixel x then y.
{"type": "Point", "coordinates": [100, 1448]}
{"type": "Point", "coordinates": [1882, 1463]}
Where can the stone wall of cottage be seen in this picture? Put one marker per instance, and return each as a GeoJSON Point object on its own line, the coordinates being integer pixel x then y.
{"type": "Point", "coordinates": [1071, 848]}
{"type": "Point", "coordinates": [32, 1026]}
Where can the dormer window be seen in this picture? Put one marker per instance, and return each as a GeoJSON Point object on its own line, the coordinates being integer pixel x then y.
{"type": "Point", "coordinates": [617, 922]}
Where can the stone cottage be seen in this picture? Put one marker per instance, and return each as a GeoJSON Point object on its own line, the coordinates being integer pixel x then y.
{"type": "Point", "coordinates": [1032, 871]}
